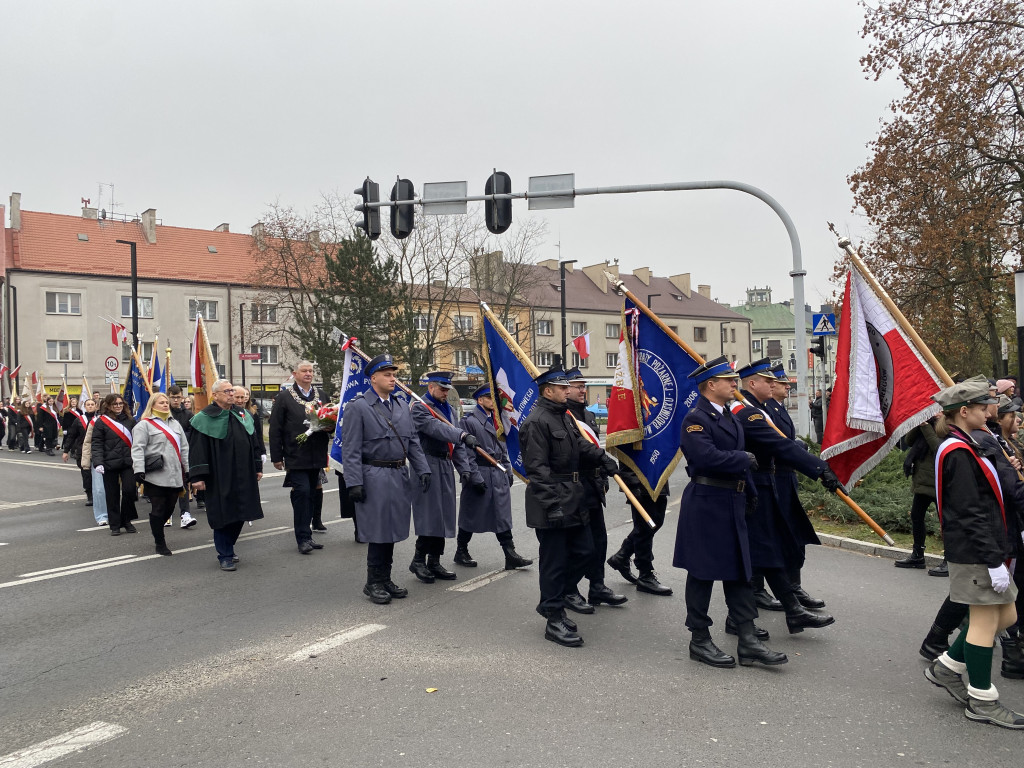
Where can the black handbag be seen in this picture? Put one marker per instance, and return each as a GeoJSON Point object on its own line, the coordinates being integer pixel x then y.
{"type": "Point", "coordinates": [154, 463]}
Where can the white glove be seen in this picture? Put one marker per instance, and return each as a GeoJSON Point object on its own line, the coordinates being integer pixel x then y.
{"type": "Point", "coordinates": [100, 469]}
{"type": "Point", "coordinates": [1022, 536]}
{"type": "Point", "coordinates": [1000, 578]}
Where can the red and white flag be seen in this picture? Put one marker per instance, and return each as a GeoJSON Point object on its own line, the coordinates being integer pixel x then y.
{"type": "Point", "coordinates": [582, 344]}
{"type": "Point", "coordinates": [118, 334]}
{"type": "Point", "coordinates": [625, 423]}
{"type": "Point", "coordinates": [14, 373]}
{"type": "Point", "coordinates": [883, 385]}
{"type": "Point", "coordinates": [3, 370]}
{"type": "Point", "coordinates": [37, 386]}
{"type": "Point", "coordinates": [195, 368]}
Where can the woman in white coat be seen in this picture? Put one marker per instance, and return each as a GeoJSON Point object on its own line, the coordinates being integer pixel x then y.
{"type": "Point", "coordinates": [159, 456]}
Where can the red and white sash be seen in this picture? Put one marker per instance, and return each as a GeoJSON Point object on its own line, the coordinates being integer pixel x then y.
{"type": "Point", "coordinates": [81, 420]}
{"type": "Point", "coordinates": [951, 444]}
{"type": "Point", "coordinates": [118, 429]}
{"type": "Point", "coordinates": [173, 438]}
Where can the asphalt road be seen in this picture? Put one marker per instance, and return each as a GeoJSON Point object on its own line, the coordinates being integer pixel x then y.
{"type": "Point", "coordinates": [133, 659]}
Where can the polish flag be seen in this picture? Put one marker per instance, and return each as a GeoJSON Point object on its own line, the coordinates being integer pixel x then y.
{"type": "Point", "coordinates": [14, 373]}
{"type": "Point", "coordinates": [3, 370]}
{"type": "Point", "coordinates": [883, 385]}
{"type": "Point", "coordinates": [195, 370]}
{"type": "Point", "coordinates": [118, 334]}
{"type": "Point", "coordinates": [624, 420]}
{"type": "Point", "coordinates": [37, 386]}
{"type": "Point", "coordinates": [582, 344]}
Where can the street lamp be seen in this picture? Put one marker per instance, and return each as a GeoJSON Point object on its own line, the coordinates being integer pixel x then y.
{"type": "Point", "coordinates": [241, 334]}
{"type": "Point", "coordinates": [561, 271]}
{"type": "Point", "coordinates": [650, 298]}
{"type": "Point", "coordinates": [1018, 286]}
{"type": "Point", "coordinates": [135, 292]}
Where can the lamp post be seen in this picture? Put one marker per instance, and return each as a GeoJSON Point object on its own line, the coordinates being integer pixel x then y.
{"type": "Point", "coordinates": [1018, 292]}
{"type": "Point", "coordinates": [561, 271]}
{"type": "Point", "coordinates": [241, 335]}
{"type": "Point", "coordinates": [135, 291]}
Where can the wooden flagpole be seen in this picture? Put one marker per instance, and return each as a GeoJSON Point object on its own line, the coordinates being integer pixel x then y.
{"type": "Point", "coordinates": [534, 372]}
{"type": "Point", "coordinates": [203, 398]}
{"type": "Point", "coordinates": [842, 494]}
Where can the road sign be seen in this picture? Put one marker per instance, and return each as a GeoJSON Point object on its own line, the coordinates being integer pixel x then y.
{"type": "Point", "coordinates": [823, 324]}
{"type": "Point", "coordinates": [439, 190]}
{"type": "Point", "coordinates": [249, 355]}
{"type": "Point", "coordinates": [111, 363]}
{"type": "Point", "coordinates": [563, 183]}
{"type": "Point", "coordinates": [112, 378]}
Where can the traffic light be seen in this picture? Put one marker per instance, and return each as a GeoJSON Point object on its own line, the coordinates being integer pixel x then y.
{"type": "Point", "coordinates": [818, 347]}
{"type": "Point", "coordinates": [402, 216]}
{"type": "Point", "coordinates": [370, 193]}
{"type": "Point", "coordinates": [498, 213]}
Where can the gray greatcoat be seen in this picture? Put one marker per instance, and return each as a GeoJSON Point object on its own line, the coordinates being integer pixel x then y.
{"type": "Point", "coordinates": [491, 511]}
{"type": "Point", "coordinates": [434, 511]}
{"type": "Point", "coordinates": [366, 436]}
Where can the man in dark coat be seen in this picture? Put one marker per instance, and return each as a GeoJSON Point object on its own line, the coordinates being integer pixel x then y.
{"type": "Point", "coordinates": [444, 445]}
{"type": "Point", "coordinates": [639, 542]}
{"type": "Point", "coordinates": [384, 469]}
{"type": "Point", "coordinates": [774, 547]}
{"type": "Point", "coordinates": [817, 416]}
{"type": "Point", "coordinates": [224, 461]}
{"type": "Point", "coordinates": [302, 461]}
{"type": "Point", "coordinates": [485, 505]}
{"type": "Point", "coordinates": [595, 484]}
{"type": "Point", "coordinates": [711, 538]}
{"type": "Point", "coordinates": [555, 454]}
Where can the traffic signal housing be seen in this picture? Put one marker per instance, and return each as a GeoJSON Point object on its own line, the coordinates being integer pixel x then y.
{"type": "Point", "coordinates": [818, 347]}
{"type": "Point", "coordinates": [498, 213]}
{"type": "Point", "coordinates": [370, 193]}
{"type": "Point", "coordinates": [402, 214]}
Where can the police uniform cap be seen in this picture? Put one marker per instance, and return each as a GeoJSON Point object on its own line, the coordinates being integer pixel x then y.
{"type": "Point", "coordinates": [379, 363]}
{"type": "Point", "coordinates": [443, 378]}
{"type": "Point", "coordinates": [483, 391]}
{"type": "Point", "coordinates": [779, 371]}
{"type": "Point", "coordinates": [575, 375]}
{"type": "Point", "coordinates": [719, 368]}
{"type": "Point", "coordinates": [973, 391]}
{"type": "Point", "coordinates": [762, 367]}
{"type": "Point", "coordinates": [553, 375]}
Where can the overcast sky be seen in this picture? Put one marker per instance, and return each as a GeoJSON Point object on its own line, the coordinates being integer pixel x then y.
{"type": "Point", "coordinates": [209, 111]}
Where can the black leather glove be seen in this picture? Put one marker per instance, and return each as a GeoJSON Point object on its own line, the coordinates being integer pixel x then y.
{"type": "Point", "coordinates": [479, 486]}
{"type": "Point", "coordinates": [425, 482]}
{"type": "Point", "coordinates": [139, 477]}
{"type": "Point", "coordinates": [356, 494]}
{"type": "Point", "coordinates": [511, 480]}
{"type": "Point", "coordinates": [753, 461]}
{"type": "Point", "coordinates": [829, 480]}
{"type": "Point", "coordinates": [610, 465]}
{"type": "Point", "coordinates": [470, 441]}
{"type": "Point", "coordinates": [556, 519]}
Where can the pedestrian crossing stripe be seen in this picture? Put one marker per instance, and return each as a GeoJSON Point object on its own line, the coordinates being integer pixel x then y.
{"type": "Point", "coordinates": [824, 327]}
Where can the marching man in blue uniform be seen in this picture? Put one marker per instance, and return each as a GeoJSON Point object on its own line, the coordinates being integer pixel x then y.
{"type": "Point", "coordinates": [485, 505]}
{"type": "Point", "coordinates": [385, 469]}
{"type": "Point", "coordinates": [711, 539]}
{"type": "Point", "coordinates": [433, 511]}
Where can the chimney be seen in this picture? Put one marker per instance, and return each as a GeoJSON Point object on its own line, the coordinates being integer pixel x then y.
{"type": "Point", "coordinates": [148, 221]}
{"type": "Point", "coordinates": [88, 213]}
{"type": "Point", "coordinates": [314, 239]}
{"type": "Point", "coordinates": [16, 210]}
{"type": "Point", "coordinates": [222, 228]}
{"type": "Point", "coordinates": [704, 290]}
{"type": "Point", "coordinates": [682, 282]}
{"type": "Point", "coordinates": [596, 274]}
{"type": "Point", "coordinates": [643, 275]}
{"type": "Point", "coordinates": [553, 264]}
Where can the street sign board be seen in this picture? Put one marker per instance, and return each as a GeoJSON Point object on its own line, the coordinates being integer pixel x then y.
{"type": "Point", "coordinates": [112, 378]}
{"type": "Point", "coordinates": [249, 355]}
{"type": "Point", "coordinates": [563, 183]}
{"type": "Point", "coordinates": [111, 363]}
{"type": "Point", "coordinates": [823, 324]}
{"type": "Point", "coordinates": [336, 334]}
{"type": "Point", "coordinates": [440, 190]}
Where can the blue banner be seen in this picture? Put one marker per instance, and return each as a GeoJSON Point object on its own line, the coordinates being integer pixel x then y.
{"type": "Point", "coordinates": [157, 381]}
{"type": "Point", "coordinates": [665, 395]}
{"type": "Point", "coordinates": [135, 394]}
{"type": "Point", "coordinates": [513, 389]}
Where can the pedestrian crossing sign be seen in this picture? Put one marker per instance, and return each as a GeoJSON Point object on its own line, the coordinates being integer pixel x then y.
{"type": "Point", "coordinates": [823, 324]}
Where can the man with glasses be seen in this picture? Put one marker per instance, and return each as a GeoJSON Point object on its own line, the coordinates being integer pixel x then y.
{"type": "Point", "coordinates": [225, 461]}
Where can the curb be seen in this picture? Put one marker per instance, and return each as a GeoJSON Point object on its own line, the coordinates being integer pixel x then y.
{"type": "Point", "coordinates": [875, 550]}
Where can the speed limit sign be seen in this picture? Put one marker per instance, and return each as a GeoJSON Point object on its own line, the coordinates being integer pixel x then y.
{"type": "Point", "coordinates": [111, 363]}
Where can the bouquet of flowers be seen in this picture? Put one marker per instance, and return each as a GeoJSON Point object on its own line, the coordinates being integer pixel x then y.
{"type": "Point", "coordinates": [322, 419]}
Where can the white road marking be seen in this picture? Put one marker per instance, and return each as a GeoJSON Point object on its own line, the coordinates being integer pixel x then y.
{"type": "Point", "coordinates": [79, 565]}
{"type": "Point", "coordinates": [44, 464]}
{"type": "Point", "coordinates": [479, 581]}
{"type": "Point", "coordinates": [333, 641]}
{"type": "Point", "coordinates": [38, 502]}
{"type": "Point", "coordinates": [95, 528]}
{"type": "Point", "coordinates": [68, 743]}
{"type": "Point", "coordinates": [3, 543]}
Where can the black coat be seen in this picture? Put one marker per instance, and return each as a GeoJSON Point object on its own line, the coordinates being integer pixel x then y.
{"type": "Point", "coordinates": [108, 449]}
{"type": "Point", "coordinates": [999, 451]}
{"type": "Point", "coordinates": [74, 435]}
{"type": "Point", "coordinates": [553, 449]}
{"type": "Point", "coordinates": [229, 467]}
{"type": "Point", "coordinates": [288, 421]}
{"type": "Point", "coordinates": [595, 481]}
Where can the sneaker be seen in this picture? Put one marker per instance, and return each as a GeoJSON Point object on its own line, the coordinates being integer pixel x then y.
{"type": "Point", "coordinates": [187, 521]}
{"type": "Point", "coordinates": [102, 522]}
{"type": "Point", "coordinates": [227, 565]}
{"type": "Point", "coordinates": [168, 523]}
{"type": "Point", "coordinates": [944, 677]}
{"type": "Point", "coordinates": [995, 713]}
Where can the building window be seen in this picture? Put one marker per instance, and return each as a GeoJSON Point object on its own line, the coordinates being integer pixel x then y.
{"type": "Point", "coordinates": [792, 364]}
{"type": "Point", "coordinates": [578, 329]}
{"type": "Point", "coordinates": [269, 353]}
{"type": "Point", "coordinates": [147, 352]}
{"type": "Point", "coordinates": [63, 303]}
{"type": "Point", "coordinates": [700, 333]}
{"type": "Point", "coordinates": [674, 329]}
{"type": "Point", "coordinates": [577, 361]}
{"type": "Point", "coordinates": [63, 351]}
{"type": "Point", "coordinates": [545, 328]}
{"type": "Point", "coordinates": [611, 359]}
{"type": "Point", "coordinates": [464, 323]}
{"type": "Point", "coordinates": [755, 346]}
{"type": "Point", "coordinates": [611, 330]}
{"type": "Point", "coordinates": [732, 335]}
{"type": "Point", "coordinates": [264, 313]}
{"type": "Point", "coordinates": [422, 322]}
{"type": "Point", "coordinates": [145, 307]}
{"type": "Point", "coordinates": [208, 309]}
{"type": "Point", "coordinates": [792, 344]}
{"type": "Point", "coordinates": [464, 357]}
{"type": "Point", "coordinates": [215, 351]}
{"type": "Point", "coordinates": [545, 358]}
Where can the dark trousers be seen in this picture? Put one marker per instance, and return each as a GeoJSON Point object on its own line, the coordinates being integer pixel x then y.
{"type": "Point", "coordinates": [918, 508]}
{"type": "Point", "coordinates": [564, 553]}
{"type": "Point", "coordinates": [160, 512]}
{"type": "Point", "coordinates": [23, 439]}
{"type": "Point", "coordinates": [739, 598]}
{"type": "Point", "coordinates": [430, 545]}
{"type": "Point", "coordinates": [183, 503]}
{"type": "Point", "coordinates": [224, 540]}
{"type": "Point", "coordinates": [639, 542]}
{"type": "Point", "coordinates": [463, 538]}
{"type": "Point", "coordinates": [307, 499]}
{"type": "Point", "coordinates": [379, 559]}
{"type": "Point", "coordinates": [593, 568]}
{"type": "Point", "coordinates": [86, 482]}
{"type": "Point", "coordinates": [119, 487]}
{"type": "Point", "coordinates": [778, 580]}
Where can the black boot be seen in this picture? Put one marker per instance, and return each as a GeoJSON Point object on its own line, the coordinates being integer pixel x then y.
{"type": "Point", "coordinates": [648, 582]}
{"type": "Point", "coordinates": [599, 593]}
{"type": "Point", "coordinates": [558, 632]}
{"type": "Point", "coordinates": [811, 603]}
{"type": "Point", "coordinates": [157, 526]}
{"type": "Point", "coordinates": [762, 597]}
{"type": "Point", "coordinates": [730, 629]}
{"type": "Point", "coordinates": [620, 562]}
{"type": "Point", "coordinates": [1013, 658]}
{"type": "Point", "coordinates": [939, 570]}
{"type": "Point", "coordinates": [750, 650]}
{"type": "Point", "coordinates": [462, 557]}
{"type": "Point", "coordinates": [914, 560]}
{"type": "Point", "coordinates": [799, 618]}
{"type": "Point", "coordinates": [513, 559]}
{"type": "Point", "coordinates": [438, 570]}
{"type": "Point", "coordinates": [389, 586]}
{"type": "Point", "coordinates": [936, 643]}
{"type": "Point", "coordinates": [374, 588]}
{"type": "Point", "coordinates": [318, 510]}
{"type": "Point", "coordinates": [418, 566]}
{"type": "Point", "coordinates": [704, 650]}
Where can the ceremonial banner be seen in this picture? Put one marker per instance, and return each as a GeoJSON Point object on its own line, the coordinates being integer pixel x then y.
{"type": "Point", "coordinates": [37, 386]}
{"type": "Point", "coordinates": [86, 395]}
{"type": "Point", "coordinates": [136, 394]}
{"type": "Point", "coordinates": [156, 378]}
{"type": "Point", "coordinates": [353, 381]}
{"type": "Point", "coordinates": [651, 386]}
{"type": "Point", "coordinates": [883, 384]}
{"type": "Point", "coordinates": [202, 367]}
{"type": "Point", "coordinates": [512, 387]}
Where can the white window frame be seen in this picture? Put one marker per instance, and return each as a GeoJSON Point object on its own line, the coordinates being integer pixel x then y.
{"type": "Point", "coordinates": [545, 358]}
{"type": "Point", "coordinates": [546, 328]}
{"type": "Point", "coordinates": [142, 304]}
{"type": "Point", "coordinates": [612, 330]}
{"type": "Point", "coordinates": [579, 362]}
{"type": "Point", "coordinates": [263, 313]}
{"type": "Point", "coordinates": [464, 323]}
{"type": "Point", "coordinates": [423, 322]}
{"type": "Point", "coordinates": [611, 359]}
{"type": "Point", "coordinates": [270, 354]}
{"type": "Point", "coordinates": [71, 346]}
{"type": "Point", "coordinates": [197, 306]}
{"type": "Point", "coordinates": [578, 328]}
{"type": "Point", "coordinates": [147, 352]}
{"type": "Point", "coordinates": [71, 299]}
